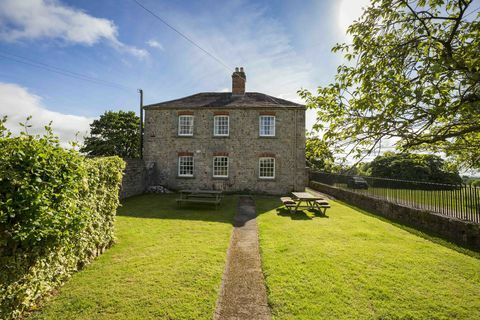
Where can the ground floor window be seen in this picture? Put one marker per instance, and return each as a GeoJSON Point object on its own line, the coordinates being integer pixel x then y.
{"type": "Point", "coordinates": [220, 167]}
{"type": "Point", "coordinates": [185, 166]}
{"type": "Point", "coordinates": [266, 168]}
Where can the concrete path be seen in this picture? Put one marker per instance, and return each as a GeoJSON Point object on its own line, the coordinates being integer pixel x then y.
{"type": "Point", "coordinates": [243, 294]}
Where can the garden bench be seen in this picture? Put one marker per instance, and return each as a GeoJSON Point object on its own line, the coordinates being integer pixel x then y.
{"type": "Point", "coordinates": [288, 202]}
{"type": "Point", "coordinates": [305, 200]}
{"type": "Point", "coordinates": [200, 196]}
{"type": "Point", "coordinates": [322, 204]}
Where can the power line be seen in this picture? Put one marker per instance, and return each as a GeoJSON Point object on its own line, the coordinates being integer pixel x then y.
{"type": "Point", "coordinates": [475, 10]}
{"type": "Point", "coordinates": [183, 35]}
{"type": "Point", "coordinates": [223, 64]}
{"type": "Point", "coordinates": [64, 72]}
{"type": "Point", "coordinates": [192, 42]}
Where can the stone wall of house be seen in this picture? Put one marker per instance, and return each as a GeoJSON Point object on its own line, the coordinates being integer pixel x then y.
{"type": "Point", "coordinates": [134, 178]}
{"type": "Point", "coordinates": [244, 146]}
{"type": "Point", "coordinates": [464, 233]}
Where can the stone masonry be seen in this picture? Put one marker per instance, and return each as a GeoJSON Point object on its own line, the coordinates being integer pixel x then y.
{"type": "Point", "coordinates": [134, 178]}
{"type": "Point", "coordinates": [243, 146]}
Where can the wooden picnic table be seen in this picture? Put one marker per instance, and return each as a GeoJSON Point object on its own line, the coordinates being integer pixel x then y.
{"type": "Point", "coordinates": [200, 196]}
{"type": "Point", "coordinates": [306, 200]}
{"type": "Point", "coordinates": [200, 192]}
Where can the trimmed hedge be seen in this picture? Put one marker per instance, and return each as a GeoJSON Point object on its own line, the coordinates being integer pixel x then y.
{"type": "Point", "coordinates": [57, 212]}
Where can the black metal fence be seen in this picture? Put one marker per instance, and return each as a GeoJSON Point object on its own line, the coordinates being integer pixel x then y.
{"type": "Point", "coordinates": [458, 201]}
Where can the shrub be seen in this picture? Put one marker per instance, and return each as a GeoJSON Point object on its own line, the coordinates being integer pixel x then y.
{"type": "Point", "coordinates": [57, 210]}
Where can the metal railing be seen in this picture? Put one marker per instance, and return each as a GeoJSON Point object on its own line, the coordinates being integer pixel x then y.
{"type": "Point", "coordinates": [458, 201]}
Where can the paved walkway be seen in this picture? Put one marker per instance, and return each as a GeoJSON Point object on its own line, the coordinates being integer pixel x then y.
{"type": "Point", "coordinates": [243, 294]}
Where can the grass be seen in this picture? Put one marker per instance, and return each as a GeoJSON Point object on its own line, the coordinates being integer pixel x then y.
{"type": "Point", "coordinates": [352, 265]}
{"type": "Point", "coordinates": [167, 264]}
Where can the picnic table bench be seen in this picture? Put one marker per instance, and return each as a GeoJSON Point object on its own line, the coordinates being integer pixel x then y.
{"type": "Point", "coordinates": [305, 200]}
{"type": "Point", "coordinates": [200, 196]}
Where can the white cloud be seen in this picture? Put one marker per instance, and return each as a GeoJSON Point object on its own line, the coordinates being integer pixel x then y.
{"type": "Point", "coordinates": [17, 103]}
{"type": "Point", "coordinates": [49, 19]}
{"type": "Point", "coordinates": [155, 44]}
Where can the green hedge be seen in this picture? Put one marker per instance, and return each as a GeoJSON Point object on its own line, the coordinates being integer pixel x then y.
{"type": "Point", "coordinates": [57, 212]}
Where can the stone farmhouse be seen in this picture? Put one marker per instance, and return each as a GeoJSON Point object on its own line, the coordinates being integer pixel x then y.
{"type": "Point", "coordinates": [230, 141]}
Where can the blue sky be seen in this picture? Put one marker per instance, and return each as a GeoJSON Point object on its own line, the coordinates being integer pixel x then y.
{"type": "Point", "coordinates": [283, 45]}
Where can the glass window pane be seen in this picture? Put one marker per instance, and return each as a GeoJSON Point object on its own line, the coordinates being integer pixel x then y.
{"type": "Point", "coordinates": [221, 125]}
{"type": "Point", "coordinates": [220, 166]}
{"type": "Point", "coordinates": [185, 166]}
{"type": "Point", "coordinates": [267, 125]}
{"type": "Point", "coordinates": [267, 168]}
{"type": "Point", "coordinates": [185, 125]}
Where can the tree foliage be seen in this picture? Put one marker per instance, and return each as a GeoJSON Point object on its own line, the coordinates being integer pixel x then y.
{"type": "Point", "coordinates": [412, 75]}
{"type": "Point", "coordinates": [114, 134]}
{"type": "Point", "coordinates": [415, 167]}
{"type": "Point", "coordinates": [319, 156]}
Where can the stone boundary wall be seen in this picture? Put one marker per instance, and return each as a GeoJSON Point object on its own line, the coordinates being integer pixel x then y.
{"type": "Point", "coordinates": [463, 233]}
{"type": "Point", "coordinates": [134, 178]}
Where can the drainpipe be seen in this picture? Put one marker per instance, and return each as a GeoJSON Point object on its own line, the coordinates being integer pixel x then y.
{"type": "Point", "coordinates": [141, 122]}
{"type": "Point", "coordinates": [295, 160]}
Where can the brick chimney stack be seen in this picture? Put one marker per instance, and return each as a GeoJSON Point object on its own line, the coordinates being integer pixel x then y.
{"type": "Point", "coordinates": [238, 81]}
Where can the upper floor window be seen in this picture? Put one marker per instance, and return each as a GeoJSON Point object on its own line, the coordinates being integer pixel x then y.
{"type": "Point", "coordinates": [185, 166]}
{"type": "Point", "coordinates": [185, 125]}
{"type": "Point", "coordinates": [266, 168]}
{"type": "Point", "coordinates": [267, 126]}
{"type": "Point", "coordinates": [221, 125]}
{"type": "Point", "coordinates": [220, 167]}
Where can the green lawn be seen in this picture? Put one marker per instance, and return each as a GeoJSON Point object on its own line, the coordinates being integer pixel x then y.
{"type": "Point", "coordinates": [167, 264]}
{"type": "Point", "coordinates": [353, 265]}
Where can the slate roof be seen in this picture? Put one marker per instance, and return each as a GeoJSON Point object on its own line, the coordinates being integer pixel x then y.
{"type": "Point", "coordinates": [225, 100]}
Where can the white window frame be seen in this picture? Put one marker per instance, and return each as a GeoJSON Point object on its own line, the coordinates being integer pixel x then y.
{"type": "Point", "coordinates": [180, 163]}
{"type": "Point", "coordinates": [260, 170]}
{"type": "Point", "coordinates": [213, 167]}
{"type": "Point", "coordinates": [215, 125]}
{"type": "Point", "coordinates": [189, 134]}
{"type": "Point", "coordinates": [262, 134]}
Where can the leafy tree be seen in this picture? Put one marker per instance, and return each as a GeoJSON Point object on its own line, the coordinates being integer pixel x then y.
{"type": "Point", "coordinates": [114, 133]}
{"type": "Point", "coordinates": [412, 74]}
{"type": "Point", "coordinates": [417, 167]}
{"type": "Point", "coordinates": [319, 156]}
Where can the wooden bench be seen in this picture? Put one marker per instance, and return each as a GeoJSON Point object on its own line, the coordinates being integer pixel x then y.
{"type": "Point", "coordinates": [323, 204]}
{"type": "Point", "coordinates": [200, 196]}
{"type": "Point", "coordinates": [288, 202]}
{"type": "Point", "coordinates": [199, 200]}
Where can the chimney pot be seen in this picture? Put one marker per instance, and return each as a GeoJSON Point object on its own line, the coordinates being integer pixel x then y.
{"type": "Point", "coordinates": [238, 81]}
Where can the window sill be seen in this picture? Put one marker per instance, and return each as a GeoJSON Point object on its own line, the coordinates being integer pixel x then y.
{"type": "Point", "coordinates": [214, 136]}
{"type": "Point", "coordinates": [267, 137]}
{"type": "Point", "coordinates": [185, 177]}
{"type": "Point", "coordinates": [220, 178]}
{"type": "Point", "coordinates": [184, 136]}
